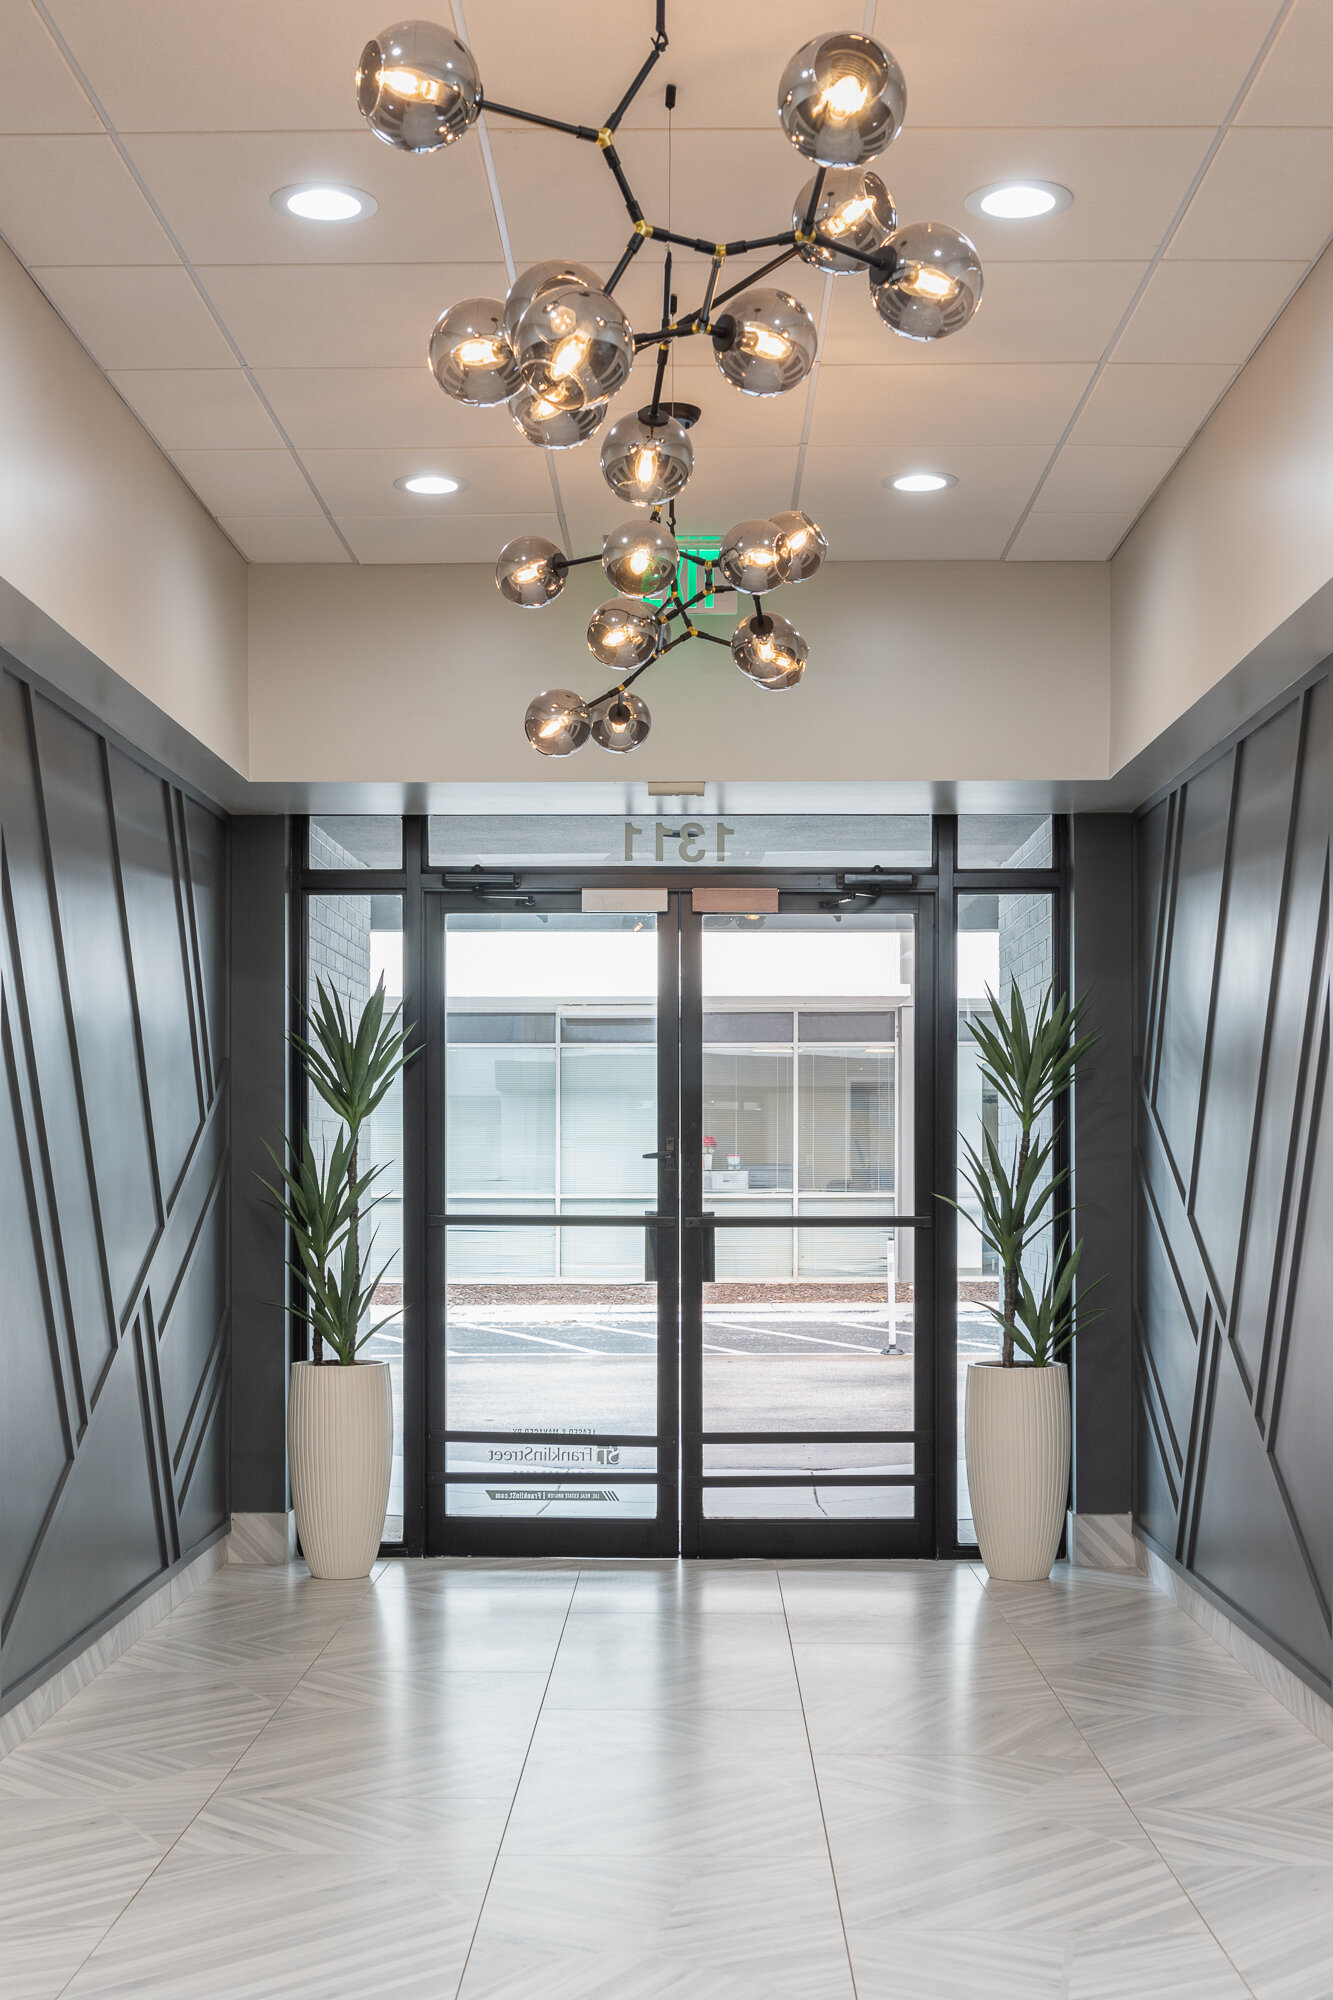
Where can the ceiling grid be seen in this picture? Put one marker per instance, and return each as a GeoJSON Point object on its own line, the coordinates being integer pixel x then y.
{"type": "Point", "coordinates": [280, 364]}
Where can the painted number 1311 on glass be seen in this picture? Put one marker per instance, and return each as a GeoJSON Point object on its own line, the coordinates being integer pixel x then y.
{"type": "Point", "coordinates": [691, 838]}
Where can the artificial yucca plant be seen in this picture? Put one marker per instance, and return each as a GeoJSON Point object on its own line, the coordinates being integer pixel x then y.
{"type": "Point", "coordinates": [1029, 1063]}
{"type": "Point", "coordinates": [324, 1198]}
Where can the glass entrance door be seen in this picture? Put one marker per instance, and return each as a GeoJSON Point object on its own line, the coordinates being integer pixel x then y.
{"type": "Point", "coordinates": [552, 1304]}
{"type": "Point", "coordinates": [677, 1298]}
{"type": "Point", "coordinates": [807, 1422]}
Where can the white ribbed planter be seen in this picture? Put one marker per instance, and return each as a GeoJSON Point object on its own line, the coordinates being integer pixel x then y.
{"type": "Point", "coordinates": [1017, 1433]}
{"type": "Point", "coordinates": [340, 1446]}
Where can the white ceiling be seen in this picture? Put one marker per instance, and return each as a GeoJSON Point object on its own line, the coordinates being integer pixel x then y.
{"type": "Point", "coordinates": [280, 363]}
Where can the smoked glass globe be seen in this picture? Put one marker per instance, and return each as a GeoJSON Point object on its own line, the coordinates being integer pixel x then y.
{"type": "Point", "coordinates": [544, 277]}
{"type": "Point", "coordinates": [765, 342]}
{"type": "Point", "coordinates": [557, 722]}
{"type": "Point", "coordinates": [624, 633]}
{"type": "Point", "coordinates": [417, 87]}
{"type": "Point", "coordinates": [470, 355]}
{"type": "Point", "coordinates": [854, 208]}
{"type": "Point", "coordinates": [842, 99]}
{"type": "Point", "coordinates": [640, 558]}
{"type": "Point", "coordinates": [807, 545]}
{"type": "Point", "coordinates": [574, 346]}
{"type": "Point", "coordinates": [754, 557]}
{"type": "Point", "coordinates": [531, 571]}
{"type": "Point", "coordinates": [620, 721]}
{"type": "Point", "coordinates": [770, 650]}
{"type": "Point", "coordinates": [936, 283]}
{"type": "Point", "coordinates": [646, 464]}
{"type": "Point", "coordinates": [543, 422]}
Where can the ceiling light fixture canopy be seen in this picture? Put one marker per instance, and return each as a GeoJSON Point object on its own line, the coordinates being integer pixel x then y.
{"type": "Point", "coordinates": [559, 346]}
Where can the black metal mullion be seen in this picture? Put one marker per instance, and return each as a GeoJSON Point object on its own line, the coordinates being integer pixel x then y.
{"type": "Point", "coordinates": [666, 1238]}
{"type": "Point", "coordinates": [693, 1240]}
{"type": "Point", "coordinates": [945, 1261]}
{"type": "Point", "coordinates": [418, 1302]}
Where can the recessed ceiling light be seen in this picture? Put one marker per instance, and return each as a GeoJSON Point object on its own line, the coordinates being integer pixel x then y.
{"type": "Point", "coordinates": [923, 482]}
{"type": "Point", "coordinates": [317, 201]}
{"type": "Point", "coordinates": [1018, 201]}
{"type": "Point", "coordinates": [429, 482]}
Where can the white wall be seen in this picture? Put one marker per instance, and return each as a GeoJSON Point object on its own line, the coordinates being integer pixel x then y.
{"type": "Point", "coordinates": [917, 671]}
{"type": "Point", "coordinates": [103, 537]}
{"type": "Point", "coordinates": [1239, 540]}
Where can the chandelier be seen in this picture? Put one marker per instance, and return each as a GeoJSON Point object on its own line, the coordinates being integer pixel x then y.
{"type": "Point", "coordinates": [559, 347]}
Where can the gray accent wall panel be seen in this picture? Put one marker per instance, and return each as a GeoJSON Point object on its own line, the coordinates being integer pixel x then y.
{"type": "Point", "coordinates": [114, 1202]}
{"type": "Point", "coordinates": [1234, 1182]}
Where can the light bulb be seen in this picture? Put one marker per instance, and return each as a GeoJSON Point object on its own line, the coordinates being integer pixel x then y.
{"type": "Point", "coordinates": [624, 633]}
{"type": "Point", "coordinates": [841, 99]}
{"type": "Point", "coordinates": [807, 545]}
{"type": "Point", "coordinates": [557, 723]}
{"type": "Point", "coordinates": [765, 342]}
{"type": "Point", "coordinates": [852, 208]}
{"type": "Point", "coordinates": [770, 650]}
{"type": "Point", "coordinates": [411, 83]}
{"type": "Point", "coordinates": [531, 572]}
{"type": "Point", "coordinates": [620, 721]}
{"type": "Point", "coordinates": [754, 557]}
{"type": "Point", "coordinates": [844, 98]}
{"type": "Point", "coordinates": [760, 340]}
{"type": "Point", "coordinates": [640, 557]}
{"type": "Point", "coordinates": [639, 560]}
{"type": "Point", "coordinates": [646, 463]}
{"type": "Point", "coordinates": [574, 346]}
{"type": "Point", "coordinates": [924, 283]}
{"type": "Point", "coordinates": [417, 87]}
{"type": "Point", "coordinates": [568, 356]}
{"type": "Point", "coordinates": [479, 353]}
{"type": "Point", "coordinates": [933, 285]}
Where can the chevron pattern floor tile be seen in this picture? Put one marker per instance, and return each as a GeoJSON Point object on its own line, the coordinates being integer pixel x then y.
{"type": "Point", "coordinates": [661, 1781]}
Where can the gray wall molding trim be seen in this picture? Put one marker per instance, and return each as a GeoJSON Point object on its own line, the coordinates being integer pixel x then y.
{"type": "Point", "coordinates": [1284, 1677]}
{"type": "Point", "coordinates": [1233, 1180]}
{"type": "Point", "coordinates": [27, 1706]}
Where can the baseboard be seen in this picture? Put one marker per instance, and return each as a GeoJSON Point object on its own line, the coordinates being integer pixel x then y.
{"type": "Point", "coordinates": [262, 1539]}
{"type": "Point", "coordinates": [1303, 1701]}
{"type": "Point", "coordinates": [20, 1720]}
{"type": "Point", "coordinates": [1102, 1541]}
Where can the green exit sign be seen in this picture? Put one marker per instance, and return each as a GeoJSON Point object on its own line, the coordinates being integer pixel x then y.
{"type": "Point", "coordinates": [697, 562]}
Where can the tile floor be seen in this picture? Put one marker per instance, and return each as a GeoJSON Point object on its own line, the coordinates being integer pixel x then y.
{"type": "Point", "coordinates": [487, 1781]}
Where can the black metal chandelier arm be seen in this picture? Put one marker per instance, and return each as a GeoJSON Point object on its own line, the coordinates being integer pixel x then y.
{"type": "Point", "coordinates": [885, 261]}
{"type": "Point", "coordinates": [563, 562]}
{"type": "Point", "coordinates": [764, 271]}
{"type": "Point", "coordinates": [713, 638]}
{"type": "Point", "coordinates": [628, 680]}
{"type": "Point", "coordinates": [659, 44]}
{"type": "Point", "coordinates": [627, 256]}
{"type": "Point", "coordinates": [816, 190]}
{"type": "Point", "coordinates": [487, 104]}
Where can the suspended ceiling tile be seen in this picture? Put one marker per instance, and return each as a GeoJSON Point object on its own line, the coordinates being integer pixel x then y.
{"type": "Point", "coordinates": [941, 406]}
{"type": "Point", "coordinates": [977, 535]}
{"type": "Point", "coordinates": [264, 539]}
{"type": "Point", "coordinates": [1207, 312]}
{"type": "Point", "coordinates": [214, 189]}
{"type": "Point", "coordinates": [727, 185]}
{"type": "Point", "coordinates": [38, 90]}
{"type": "Point", "coordinates": [1148, 405]}
{"type": "Point", "coordinates": [1126, 184]}
{"type": "Point", "coordinates": [1295, 85]}
{"type": "Point", "coordinates": [361, 408]}
{"type": "Point", "coordinates": [1028, 312]}
{"type": "Point", "coordinates": [198, 408]}
{"type": "Point", "coordinates": [727, 418]}
{"type": "Point", "coordinates": [1070, 537]}
{"type": "Point", "coordinates": [249, 483]}
{"type": "Point", "coordinates": [472, 538]}
{"type": "Point", "coordinates": [137, 316]}
{"type": "Point", "coordinates": [560, 199]}
{"type": "Point", "coordinates": [72, 200]}
{"type": "Point", "coordinates": [1106, 478]}
{"type": "Point", "coordinates": [341, 315]}
{"type": "Point", "coordinates": [724, 61]}
{"type": "Point", "coordinates": [361, 482]}
{"type": "Point", "coordinates": [1048, 64]}
{"type": "Point", "coordinates": [849, 483]}
{"type": "Point", "coordinates": [1267, 195]}
{"type": "Point", "coordinates": [236, 66]}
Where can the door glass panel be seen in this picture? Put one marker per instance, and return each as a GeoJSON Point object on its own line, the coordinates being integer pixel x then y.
{"type": "Point", "coordinates": [809, 1330]}
{"type": "Point", "coordinates": [352, 942]}
{"type": "Point", "coordinates": [1003, 940]}
{"type": "Point", "coordinates": [550, 1107]}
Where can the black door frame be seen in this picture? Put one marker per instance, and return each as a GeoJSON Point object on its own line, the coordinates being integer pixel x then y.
{"type": "Point", "coordinates": [420, 884]}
